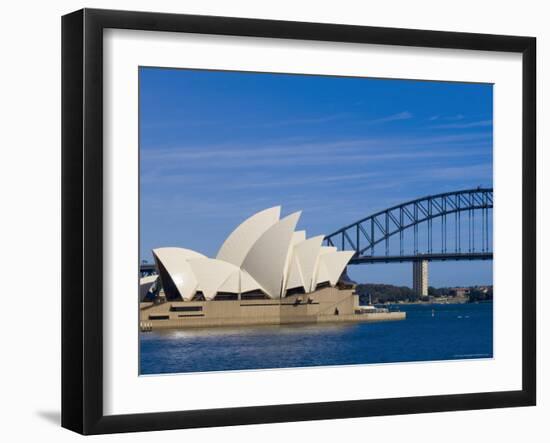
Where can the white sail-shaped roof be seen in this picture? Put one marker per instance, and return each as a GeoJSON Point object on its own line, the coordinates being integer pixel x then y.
{"type": "Point", "coordinates": [295, 279]}
{"type": "Point", "coordinates": [327, 249]}
{"type": "Point", "coordinates": [331, 265]}
{"type": "Point", "coordinates": [306, 253]}
{"type": "Point", "coordinates": [240, 282]}
{"type": "Point", "coordinates": [267, 258]}
{"type": "Point", "coordinates": [262, 254]}
{"type": "Point", "coordinates": [321, 274]}
{"type": "Point", "coordinates": [232, 283]}
{"type": "Point", "coordinates": [178, 253]}
{"type": "Point", "coordinates": [211, 274]}
{"type": "Point", "coordinates": [240, 241]}
{"type": "Point", "coordinates": [297, 237]}
{"type": "Point", "coordinates": [145, 283]}
{"type": "Point", "coordinates": [175, 262]}
{"type": "Point", "coordinates": [248, 283]}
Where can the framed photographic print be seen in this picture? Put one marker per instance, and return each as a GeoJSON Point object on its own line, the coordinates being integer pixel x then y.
{"type": "Point", "coordinates": [269, 221]}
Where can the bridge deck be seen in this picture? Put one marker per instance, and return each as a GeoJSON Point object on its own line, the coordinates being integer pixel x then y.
{"type": "Point", "coordinates": [429, 257]}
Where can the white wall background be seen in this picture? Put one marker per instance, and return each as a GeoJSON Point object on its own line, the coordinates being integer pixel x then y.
{"type": "Point", "coordinates": [30, 92]}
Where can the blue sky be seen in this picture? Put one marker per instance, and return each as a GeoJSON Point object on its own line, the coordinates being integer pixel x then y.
{"type": "Point", "coordinates": [215, 147]}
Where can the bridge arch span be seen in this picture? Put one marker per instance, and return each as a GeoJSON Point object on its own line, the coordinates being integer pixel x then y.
{"type": "Point", "coordinates": [364, 235]}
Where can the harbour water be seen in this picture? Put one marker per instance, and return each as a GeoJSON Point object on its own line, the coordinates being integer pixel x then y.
{"type": "Point", "coordinates": [430, 332]}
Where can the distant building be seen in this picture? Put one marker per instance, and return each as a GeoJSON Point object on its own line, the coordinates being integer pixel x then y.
{"type": "Point", "coordinates": [460, 292]}
{"type": "Point", "coordinates": [420, 278]}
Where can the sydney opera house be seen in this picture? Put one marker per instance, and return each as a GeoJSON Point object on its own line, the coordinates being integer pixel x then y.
{"type": "Point", "coordinates": [265, 272]}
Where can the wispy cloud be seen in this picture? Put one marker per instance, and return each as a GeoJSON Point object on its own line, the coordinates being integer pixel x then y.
{"type": "Point", "coordinates": [303, 181]}
{"type": "Point", "coordinates": [311, 148]}
{"type": "Point", "coordinates": [480, 173]}
{"type": "Point", "coordinates": [273, 123]}
{"type": "Point", "coordinates": [405, 115]}
{"type": "Point", "coordinates": [446, 117]}
{"type": "Point", "coordinates": [314, 120]}
{"type": "Point", "coordinates": [470, 172]}
{"type": "Point", "coordinates": [455, 117]}
{"type": "Point", "coordinates": [191, 165]}
{"type": "Point", "coordinates": [465, 125]}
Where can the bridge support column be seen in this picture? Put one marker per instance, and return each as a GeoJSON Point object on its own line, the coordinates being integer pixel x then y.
{"type": "Point", "coordinates": [420, 278]}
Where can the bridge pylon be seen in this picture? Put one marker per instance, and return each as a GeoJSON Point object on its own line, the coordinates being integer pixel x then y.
{"type": "Point", "coordinates": [420, 278]}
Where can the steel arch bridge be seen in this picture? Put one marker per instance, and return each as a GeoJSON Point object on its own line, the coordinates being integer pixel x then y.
{"type": "Point", "coordinates": [461, 235]}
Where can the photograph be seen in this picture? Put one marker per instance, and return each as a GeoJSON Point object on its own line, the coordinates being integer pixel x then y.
{"type": "Point", "coordinates": [291, 221]}
{"type": "Point", "coordinates": [266, 222]}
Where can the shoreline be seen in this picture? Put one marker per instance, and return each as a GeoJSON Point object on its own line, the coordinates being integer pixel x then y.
{"type": "Point", "coordinates": [435, 303]}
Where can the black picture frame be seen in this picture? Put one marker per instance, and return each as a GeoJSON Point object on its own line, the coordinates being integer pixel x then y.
{"type": "Point", "coordinates": [82, 219]}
